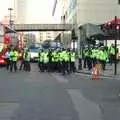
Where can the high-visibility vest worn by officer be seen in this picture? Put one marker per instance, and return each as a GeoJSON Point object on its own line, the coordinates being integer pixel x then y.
{"type": "Point", "coordinates": [106, 54]}
{"type": "Point", "coordinates": [45, 57]}
{"type": "Point", "coordinates": [61, 56]}
{"type": "Point", "coordinates": [72, 56]}
{"type": "Point", "coordinates": [24, 55]}
{"type": "Point", "coordinates": [93, 53]}
{"type": "Point", "coordinates": [11, 55]}
{"type": "Point", "coordinates": [41, 57]}
{"type": "Point", "coordinates": [57, 57]}
{"type": "Point", "coordinates": [85, 53]}
{"type": "Point", "coordinates": [15, 57]}
{"type": "Point", "coordinates": [102, 56]}
{"type": "Point", "coordinates": [65, 56]}
{"type": "Point", "coordinates": [28, 57]}
{"type": "Point", "coordinates": [98, 54]}
{"type": "Point", "coordinates": [53, 56]}
{"type": "Point", "coordinates": [112, 50]}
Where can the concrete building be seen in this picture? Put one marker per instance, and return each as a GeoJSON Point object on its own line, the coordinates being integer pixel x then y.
{"type": "Point", "coordinates": [20, 8]}
{"type": "Point", "coordinates": [29, 39]}
{"type": "Point", "coordinates": [90, 11]}
{"type": "Point", "coordinates": [47, 36]}
{"type": "Point", "coordinates": [80, 12]}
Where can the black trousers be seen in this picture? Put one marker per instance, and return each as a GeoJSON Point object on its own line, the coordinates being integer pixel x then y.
{"type": "Point", "coordinates": [65, 68]}
{"type": "Point", "coordinates": [22, 65]}
{"type": "Point", "coordinates": [45, 66]}
{"type": "Point", "coordinates": [72, 66]}
{"type": "Point", "coordinates": [85, 62]}
{"type": "Point", "coordinates": [94, 62]}
{"type": "Point", "coordinates": [13, 64]}
{"type": "Point", "coordinates": [50, 67]}
{"type": "Point", "coordinates": [53, 66]}
{"type": "Point", "coordinates": [59, 66]}
{"type": "Point", "coordinates": [112, 59]}
{"type": "Point", "coordinates": [103, 63]}
{"type": "Point", "coordinates": [8, 63]}
{"type": "Point", "coordinates": [89, 63]}
{"type": "Point", "coordinates": [27, 66]}
{"type": "Point", "coordinates": [40, 65]}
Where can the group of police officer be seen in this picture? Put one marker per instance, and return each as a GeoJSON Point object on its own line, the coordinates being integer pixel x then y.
{"type": "Point", "coordinates": [61, 60]}
{"type": "Point", "coordinates": [101, 55]}
{"type": "Point", "coordinates": [12, 57]}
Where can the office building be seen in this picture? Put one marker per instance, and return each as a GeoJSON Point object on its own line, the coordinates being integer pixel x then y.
{"type": "Point", "coordinates": [90, 11]}
{"type": "Point", "coordinates": [20, 8]}
{"type": "Point", "coordinates": [80, 12]}
{"type": "Point", "coordinates": [47, 36]}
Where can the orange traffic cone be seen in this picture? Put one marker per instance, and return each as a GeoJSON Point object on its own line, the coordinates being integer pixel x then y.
{"type": "Point", "coordinates": [95, 74]}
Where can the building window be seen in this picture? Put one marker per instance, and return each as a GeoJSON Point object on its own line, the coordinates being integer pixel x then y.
{"type": "Point", "coordinates": [119, 2]}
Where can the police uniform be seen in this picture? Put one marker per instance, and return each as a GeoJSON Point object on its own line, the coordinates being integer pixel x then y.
{"type": "Point", "coordinates": [45, 60]}
{"type": "Point", "coordinates": [14, 58]}
{"type": "Point", "coordinates": [7, 59]}
{"type": "Point", "coordinates": [65, 61]}
{"type": "Point", "coordinates": [72, 61]}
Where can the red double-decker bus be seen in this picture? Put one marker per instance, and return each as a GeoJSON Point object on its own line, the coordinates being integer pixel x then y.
{"type": "Point", "coordinates": [5, 41]}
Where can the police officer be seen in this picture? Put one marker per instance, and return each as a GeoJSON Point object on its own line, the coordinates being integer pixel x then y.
{"type": "Point", "coordinates": [111, 50]}
{"type": "Point", "coordinates": [72, 61]}
{"type": "Point", "coordinates": [50, 60]}
{"type": "Point", "coordinates": [27, 60]}
{"type": "Point", "coordinates": [41, 60]}
{"type": "Point", "coordinates": [89, 59]}
{"type": "Point", "coordinates": [53, 61]}
{"type": "Point", "coordinates": [102, 57]}
{"type": "Point", "coordinates": [65, 57]}
{"type": "Point", "coordinates": [45, 60]}
{"type": "Point", "coordinates": [22, 65]}
{"type": "Point", "coordinates": [14, 59]}
{"type": "Point", "coordinates": [59, 61]}
{"type": "Point", "coordinates": [7, 59]}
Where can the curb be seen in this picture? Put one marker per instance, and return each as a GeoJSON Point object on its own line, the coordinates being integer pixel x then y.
{"type": "Point", "coordinates": [86, 73]}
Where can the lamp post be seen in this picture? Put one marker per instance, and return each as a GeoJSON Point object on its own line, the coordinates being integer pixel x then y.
{"type": "Point", "coordinates": [116, 37]}
{"type": "Point", "coordinates": [10, 15]}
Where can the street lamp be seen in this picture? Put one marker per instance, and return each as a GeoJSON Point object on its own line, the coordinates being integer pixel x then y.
{"type": "Point", "coordinates": [10, 15]}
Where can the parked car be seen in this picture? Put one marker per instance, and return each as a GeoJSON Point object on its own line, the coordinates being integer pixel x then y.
{"type": "Point", "coordinates": [34, 54]}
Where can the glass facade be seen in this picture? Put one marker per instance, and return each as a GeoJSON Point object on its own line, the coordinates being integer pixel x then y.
{"type": "Point", "coordinates": [71, 6]}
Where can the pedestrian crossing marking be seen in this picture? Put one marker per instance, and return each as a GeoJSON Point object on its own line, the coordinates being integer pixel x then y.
{"type": "Point", "coordinates": [7, 110]}
{"type": "Point", "coordinates": [87, 110]}
{"type": "Point", "coordinates": [60, 78]}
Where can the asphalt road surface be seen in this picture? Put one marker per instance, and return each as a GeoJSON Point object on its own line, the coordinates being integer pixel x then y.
{"type": "Point", "coordinates": [51, 96]}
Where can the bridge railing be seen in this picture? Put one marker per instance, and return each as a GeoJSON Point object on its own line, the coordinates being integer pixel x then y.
{"type": "Point", "coordinates": [43, 26]}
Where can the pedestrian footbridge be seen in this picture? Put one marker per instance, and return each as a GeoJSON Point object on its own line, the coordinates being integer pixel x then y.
{"type": "Point", "coordinates": [42, 27]}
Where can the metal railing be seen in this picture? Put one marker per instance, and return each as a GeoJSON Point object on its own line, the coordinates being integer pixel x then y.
{"type": "Point", "coordinates": [44, 27]}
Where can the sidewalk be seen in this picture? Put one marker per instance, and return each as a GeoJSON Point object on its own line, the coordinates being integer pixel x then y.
{"type": "Point", "coordinates": [109, 72]}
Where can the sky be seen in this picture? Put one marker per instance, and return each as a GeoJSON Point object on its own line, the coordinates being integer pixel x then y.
{"type": "Point", "coordinates": [38, 11]}
{"type": "Point", "coordinates": [5, 4]}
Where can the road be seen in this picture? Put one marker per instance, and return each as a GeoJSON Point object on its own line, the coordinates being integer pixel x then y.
{"type": "Point", "coordinates": [50, 96]}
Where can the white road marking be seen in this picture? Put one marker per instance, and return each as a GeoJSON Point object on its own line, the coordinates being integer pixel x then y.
{"type": "Point", "coordinates": [87, 110]}
{"type": "Point", "coordinates": [60, 79]}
